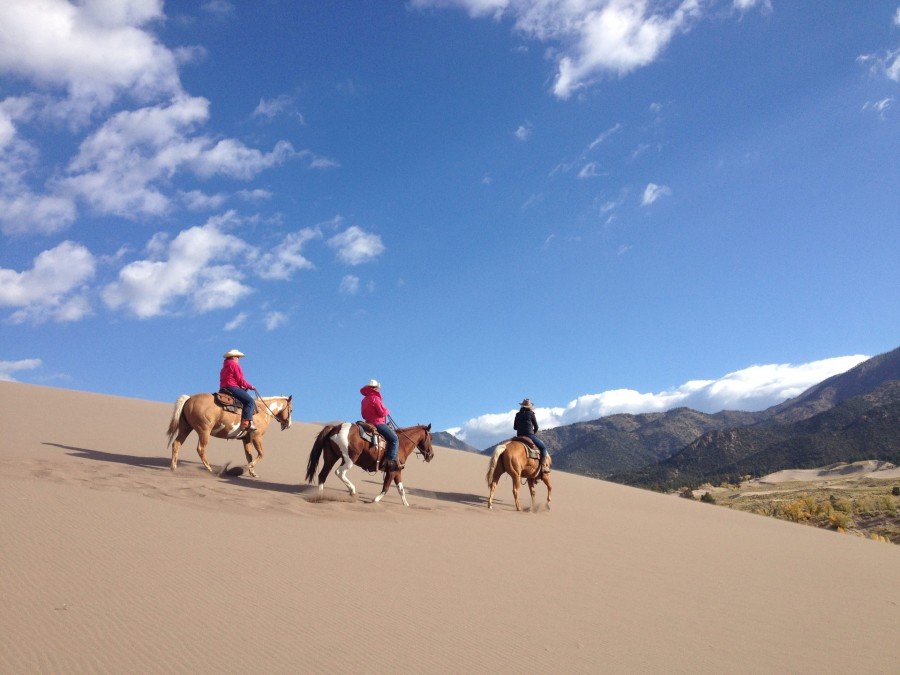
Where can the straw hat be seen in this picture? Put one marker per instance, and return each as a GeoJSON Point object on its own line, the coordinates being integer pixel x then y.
{"type": "Point", "coordinates": [374, 383]}
{"type": "Point", "coordinates": [233, 353]}
{"type": "Point", "coordinates": [527, 403]}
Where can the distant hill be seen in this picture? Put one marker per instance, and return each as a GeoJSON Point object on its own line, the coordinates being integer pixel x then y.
{"type": "Point", "coordinates": [849, 417]}
{"type": "Point", "coordinates": [863, 379]}
{"type": "Point", "coordinates": [620, 442]}
{"type": "Point", "coordinates": [447, 440]}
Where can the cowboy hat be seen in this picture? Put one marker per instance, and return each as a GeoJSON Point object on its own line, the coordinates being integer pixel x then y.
{"type": "Point", "coordinates": [527, 403]}
{"type": "Point", "coordinates": [374, 383]}
{"type": "Point", "coordinates": [233, 353]}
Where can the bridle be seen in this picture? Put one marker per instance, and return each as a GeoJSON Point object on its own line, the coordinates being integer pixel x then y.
{"type": "Point", "coordinates": [269, 410]}
{"type": "Point", "coordinates": [416, 448]}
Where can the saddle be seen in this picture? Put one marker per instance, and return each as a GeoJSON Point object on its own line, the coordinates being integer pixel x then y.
{"type": "Point", "coordinates": [370, 434]}
{"type": "Point", "coordinates": [530, 448]}
{"type": "Point", "coordinates": [225, 400]}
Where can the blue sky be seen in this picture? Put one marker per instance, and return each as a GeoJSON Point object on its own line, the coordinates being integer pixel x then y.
{"type": "Point", "coordinates": [604, 205]}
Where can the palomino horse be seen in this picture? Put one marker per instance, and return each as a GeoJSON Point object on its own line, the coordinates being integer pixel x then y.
{"type": "Point", "coordinates": [341, 441]}
{"type": "Point", "coordinates": [512, 457]}
{"type": "Point", "coordinates": [201, 414]}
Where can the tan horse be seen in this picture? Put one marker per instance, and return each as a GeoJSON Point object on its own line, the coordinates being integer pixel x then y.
{"type": "Point", "coordinates": [201, 414]}
{"type": "Point", "coordinates": [512, 457]}
{"type": "Point", "coordinates": [341, 441]}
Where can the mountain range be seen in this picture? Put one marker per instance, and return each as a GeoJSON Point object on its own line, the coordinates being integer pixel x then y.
{"type": "Point", "coordinates": [848, 417]}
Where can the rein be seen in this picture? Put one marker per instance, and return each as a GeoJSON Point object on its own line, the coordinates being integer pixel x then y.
{"type": "Point", "coordinates": [402, 433]}
{"type": "Point", "coordinates": [265, 405]}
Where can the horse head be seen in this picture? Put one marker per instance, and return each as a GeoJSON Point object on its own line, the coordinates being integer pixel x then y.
{"type": "Point", "coordinates": [284, 415]}
{"type": "Point", "coordinates": [424, 446]}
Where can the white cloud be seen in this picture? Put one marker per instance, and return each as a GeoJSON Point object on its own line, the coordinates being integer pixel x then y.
{"type": "Point", "coordinates": [591, 170]}
{"type": "Point", "coordinates": [199, 268]}
{"type": "Point", "coordinates": [605, 135]}
{"type": "Point", "coordinates": [53, 289]}
{"type": "Point", "coordinates": [197, 200]}
{"type": "Point", "coordinates": [349, 285]}
{"type": "Point", "coordinates": [355, 246]}
{"type": "Point", "coordinates": [94, 50]}
{"type": "Point", "coordinates": [254, 195]}
{"type": "Point", "coordinates": [753, 388]}
{"type": "Point", "coordinates": [879, 107]}
{"type": "Point", "coordinates": [280, 105]}
{"type": "Point", "coordinates": [9, 367]}
{"type": "Point", "coordinates": [523, 133]}
{"type": "Point", "coordinates": [221, 8]}
{"type": "Point", "coordinates": [744, 5]}
{"type": "Point", "coordinates": [275, 320]}
{"type": "Point", "coordinates": [124, 166]}
{"type": "Point", "coordinates": [653, 192]}
{"type": "Point", "coordinates": [236, 322]}
{"type": "Point", "coordinates": [287, 257]}
{"type": "Point", "coordinates": [886, 64]}
{"type": "Point", "coordinates": [22, 211]}
{"type": "Point", "coordinates": [594, 37]}
{"type": "Point", "coordinates": [897, 17]}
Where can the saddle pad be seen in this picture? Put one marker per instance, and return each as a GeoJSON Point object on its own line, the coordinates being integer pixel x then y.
{"type": "Point", "coordinates": [530, 447]}
{"type": "Point", "coordinates": [227, 401]}
{"type": "Point", "coordinates": [368, 433]}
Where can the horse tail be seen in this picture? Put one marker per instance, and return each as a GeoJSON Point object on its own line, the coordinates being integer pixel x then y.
{"type": "Point", "coordinates": [176, 417]}
{"type": "Point", "coordinates": [499, 450]}
{"type": "Point", "coordinates": [316, 452]}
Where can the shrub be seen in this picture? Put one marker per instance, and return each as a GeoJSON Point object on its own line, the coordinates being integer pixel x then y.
{"type": "Point", "coordinates": [686, 492]}
{"type": "Point", "coordinates": [896, 491]}
{"type": "Point", "coordinates": [708, 498]}
{"type": "Point", "coordinates": [839, 520]}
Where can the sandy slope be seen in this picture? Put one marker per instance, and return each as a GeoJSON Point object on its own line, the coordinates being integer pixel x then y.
{"type": "Point", "coordinates": [111, 562]}
{"type": "Point", "coordinates": [869, 468]}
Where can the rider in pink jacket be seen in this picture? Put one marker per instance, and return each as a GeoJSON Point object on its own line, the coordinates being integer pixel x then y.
{"type": "Point", "coordinates": [231, 379]}
{"type": "Point", "coordinates": [374, 412]}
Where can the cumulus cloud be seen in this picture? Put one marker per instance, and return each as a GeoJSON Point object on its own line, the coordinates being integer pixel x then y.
{"type": "Point", "coordinates": [197, 200]}
{"type": "Point", "coordinates": [124, 166]}
{"type": "Point", "coordinates": [885, 64]}
{"type": "Point", "coordinates": [355, 246]}
{"type": "Point", "coordinates": [199, 268]}
{"type": "Point", "coordinates": [594, 38]}
{"type": "Point", "coordinates": [523, 133]}
{"type": "Point", "coordinates": [94, 51]}
{"type": "Point", "coordinates": [349, 285]}
{"type": "Point", "coordinates": [236, 322]}
{"type": "Point", "coordinates": [275, 320]}
{"type": "Point", "coordinates": [270, 108]}
{"type": "Point", "coordinates": [753, 388]}
{"type": "Point", "coordinates": [53, 289]}
{"type": "Point", "coordinates": [9, 367]}
{"type": "Point", "coordinates": [287, 258]}
{"type": "Point", "coordinates": [653, 192]}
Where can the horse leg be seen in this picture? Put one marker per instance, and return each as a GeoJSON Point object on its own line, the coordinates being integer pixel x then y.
{"type": "Point", "coordinates": [532, 490]}
{"type": "Point", "coordinates": [328, 461]}
{"type": "Point", "coordinates": [184, 430]}
{"type": "Point", "coordinates": [498, 473]}
{"type": "Point", "coordinates": [257, 443]}
{"type": "Point", "coordinates": [546, 480]}
{"type": "Point", "coordinates": [201, 448]}
{"type": "Point", "coordinates": [516, 476]}
{"type": "Point", "coordinates": [388, 476]}
{"type": "Point", "coordinates": [247, 454]}
{"type": "Point", "coordinates": [400, 488]}
{"type": "Point", "coordinates": [341, 472]}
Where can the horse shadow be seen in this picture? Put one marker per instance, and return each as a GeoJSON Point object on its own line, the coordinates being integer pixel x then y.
{"type": "Point", "coordinates": [156, 463]}
{"type": "Point", "coordinates": [464, 498]}
{"type": "Point", "coordinates": [164, 464]}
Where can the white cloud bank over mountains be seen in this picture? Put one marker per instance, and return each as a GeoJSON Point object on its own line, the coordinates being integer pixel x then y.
{"type": "Point", "coordinates": [753, 388]}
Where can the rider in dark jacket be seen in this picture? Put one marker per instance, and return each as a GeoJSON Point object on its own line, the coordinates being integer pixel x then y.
{"type": "Point", "coordinates": [526, 424]}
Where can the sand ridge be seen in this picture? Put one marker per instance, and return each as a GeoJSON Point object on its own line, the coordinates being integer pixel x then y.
{"type": "Point", "coordinates": [112, 562]}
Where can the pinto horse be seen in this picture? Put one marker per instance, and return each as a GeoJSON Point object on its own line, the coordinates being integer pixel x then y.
{"type": "Point", "coordinates": [201, 414]}
{"type": "Point", "coordinates": [341, 441]}
{"type": "Point", "coordinates": [512, 457]}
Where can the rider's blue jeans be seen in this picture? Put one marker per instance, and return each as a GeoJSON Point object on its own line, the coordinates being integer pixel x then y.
{"type": "Point", "coordinates": [246, 400]}
{"type": "Point", "coordinates": [392, 441]}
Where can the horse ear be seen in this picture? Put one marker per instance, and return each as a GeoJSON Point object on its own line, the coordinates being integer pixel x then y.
{"type": "Point", "coordinates": [429, 427]}
{"type": "Point", "coordinates": [290, 397]}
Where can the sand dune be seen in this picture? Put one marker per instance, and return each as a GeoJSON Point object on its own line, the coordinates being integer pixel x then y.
{"type": "Point", "coordinates": [868, 468]}
{"type": "Point", "coordinates": [111, 562]}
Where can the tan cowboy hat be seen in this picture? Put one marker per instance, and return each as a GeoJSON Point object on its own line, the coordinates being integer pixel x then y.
{"type": "Point", "coordinates": [527, 403]}
{"type": "Point", "coordinates": [374, 383]}
{"type": "Point", "coordinates": [233, 353]}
